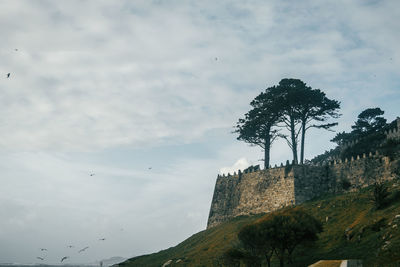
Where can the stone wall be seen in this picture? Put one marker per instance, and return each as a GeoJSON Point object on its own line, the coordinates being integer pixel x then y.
{"type": "Point", "coordinates": [393, 133]}
{"type": "Point", "coordinates": [268, 190]}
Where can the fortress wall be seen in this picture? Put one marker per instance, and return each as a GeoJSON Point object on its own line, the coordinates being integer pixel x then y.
{"type": "Point", "coordinates": [312, 181]}
{"type": "Point", "coordinates": [268, 190]}
{"type": "Point", "coordinates": [361, 172]}
{"type": "Point", "coordinates": [251, 193]}
{"type": "Point", "coordinates": [393, 133]}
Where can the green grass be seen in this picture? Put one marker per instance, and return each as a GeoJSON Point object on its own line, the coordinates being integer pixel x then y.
{"type": "Point", "coordinates": [374, 235]}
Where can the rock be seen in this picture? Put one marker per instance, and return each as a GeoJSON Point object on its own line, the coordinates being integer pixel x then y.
{"type": "Point", "coordinates": [348, 234]}
{"type": "Point", "coordinates": [168, 262]}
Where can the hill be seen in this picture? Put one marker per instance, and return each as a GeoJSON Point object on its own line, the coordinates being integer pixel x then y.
{"type": "Point", "coordinates": [353, 228]}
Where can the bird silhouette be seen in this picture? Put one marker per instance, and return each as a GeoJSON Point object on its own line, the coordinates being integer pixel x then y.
{"type": "Point", "coordinates": [16, 49]}
{"type": "Point", "coordinates": [150, 168]}
{"type": "Point", "coordinates": [92, 174]}
{"type": "Point", "coordinates": [8, 75]}
{"type": "Point", "coordinates": [82, 250]}
{"type": "Point", "coordinates": [43, 249]}
{"type": "Point", "coordinates": [102, 239]}
{"type": "Point", "coordinates": [216, 59]}
{"type": "Point", "coordinates": [64, 258]}
{"type": "Point", "coordinates": [40, 258]}
{"type": "Point", "coordinates": [70, 246]}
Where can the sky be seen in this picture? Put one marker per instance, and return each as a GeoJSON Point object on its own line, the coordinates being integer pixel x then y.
{"type": "Point", "coordinates": [144, 95]}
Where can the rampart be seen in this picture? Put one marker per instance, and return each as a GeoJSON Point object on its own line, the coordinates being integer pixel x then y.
{"type": "Point", "coordinates": [257, 191]}
{"type": "Point", "coordinates": [392, 133]}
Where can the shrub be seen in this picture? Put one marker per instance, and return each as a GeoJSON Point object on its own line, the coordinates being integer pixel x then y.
{"type": "Point", "coordinates": [380, 195]}
{"type": "Point", "coordinates": [390, 148]}
{"type": "Point", "coordinates": [345, 183]}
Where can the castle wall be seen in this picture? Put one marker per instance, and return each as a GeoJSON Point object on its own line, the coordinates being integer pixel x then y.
{"type": "Point", "coordinates": [268, 190]}
{"type": "Point", "coordinates": [393, 133]}
{"type": "Point", "coordinates": [251, 193]}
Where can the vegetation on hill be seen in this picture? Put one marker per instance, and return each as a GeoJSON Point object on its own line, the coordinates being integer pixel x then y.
{"type": "Point", "coordinates": [353, 228]}
{"type": "Point", "coordinates": [278, 233]}
{"type": "Point", "coordinates": [367, 135]}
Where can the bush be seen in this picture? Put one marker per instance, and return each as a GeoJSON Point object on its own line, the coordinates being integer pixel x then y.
{"type": "Point", "coordinates": [376, 226]}
{"type": "Point", "coordinates": [279, 234]}
{"type": "Point", "coordinates": [345, 183]}
{"type": "Point", "coordinates": [380, 195]}
{"type": "Point", "coordinates": [390, 148]}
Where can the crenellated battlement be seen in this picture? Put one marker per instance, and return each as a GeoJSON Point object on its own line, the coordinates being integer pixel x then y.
{"type": "Point", "coordinates": [335, 161]}
{"type": "Point", "coordinates": [253, 190]}
{"type": "Point", "coordinates": [393, 133]}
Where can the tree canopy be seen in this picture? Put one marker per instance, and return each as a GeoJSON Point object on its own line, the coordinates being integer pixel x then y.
{"type": "Point", "coordinates": [257, 127]}
{"type": "Point", "coordinates": [369, 121]}
{"type": "Point", "coordinates": [279, 234]}
{"type": "Point", "coordinates": [292, 105]}
{"type": "Point", "coordinates": [301, 106]}
{"type": "Point", "coordinates": [367, 130]}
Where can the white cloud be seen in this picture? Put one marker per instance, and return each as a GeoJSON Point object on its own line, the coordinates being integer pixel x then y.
{"type": "Point", "coordinates": [105, 76]}
{"type": "Point", "coordinates": [240, 164]}
{"type": "Point", "coordinates": [91, 75]}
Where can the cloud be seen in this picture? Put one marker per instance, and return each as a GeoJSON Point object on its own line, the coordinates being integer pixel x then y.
{"type": "Point", "coordinates": [84, 80]}
{"type": "Point", "coordinates": [116, 87]}
{"type": "Point", "coordinates": [240, 164]}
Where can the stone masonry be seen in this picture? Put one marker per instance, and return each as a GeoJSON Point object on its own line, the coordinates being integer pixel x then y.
{"type": "Point", "coordinates": [259, 191]}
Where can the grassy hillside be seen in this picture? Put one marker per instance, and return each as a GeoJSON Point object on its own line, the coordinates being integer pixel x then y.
{"type": "Point", "coordinates": [353, 229]}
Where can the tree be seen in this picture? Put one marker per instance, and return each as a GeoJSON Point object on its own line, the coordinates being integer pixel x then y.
{"type": "Point", "coordinates": [234, 257]}
{"type": "Point", "coordinates": [290, 229]}
{"type": "Point", "coordinates": [290, 104]}
{"type": "Point", "coordinates": [342, 138]}
{"type": "Point", "coordinates": [315, 106]}
{"type": "Point", "coordinates": [380, 194]}
{"type": "Point", "coordinates": [257, 126]}
{"type": "Point", "coordinates": [368, 130]}
{"type": "Point", "coordinates": [301, 106]}
{"type": "Point", "coordinates": [369, 121]}
{"type": "Point", "coordinates": [290, 94]}
{"type": "Point", "coordinates": [256, 240]}
{"type": "Point", "coordinates": [281, 234]}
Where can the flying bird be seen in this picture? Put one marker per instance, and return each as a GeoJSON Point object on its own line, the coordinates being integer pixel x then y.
{"type": "Point", "coordinates": [150, 168]}
{"type": "Point", "coordinates": [43, 249]}
{"type": "Point", "coordinates": [8, 75]}
{"type": "Point", "coordinates": [64, 258]}
{"type": "Point", "coordinates": [92, 174]}
{"type": "Point", "coordinates": [216, 59]}
{"type": "Point", "coordinates": [70, 246]}
{"type": "Point", "coordinates": [40, 258]}
{"type": "Point", "coordinates": [102, 239]}
{"type": "Point", "coordinates": [82, 250]}
{"type": "Point", "coordinates": [16, 49]}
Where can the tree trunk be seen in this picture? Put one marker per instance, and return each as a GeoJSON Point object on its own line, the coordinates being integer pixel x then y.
{"type": "Point", "coordinates": [303, 134]}
{"type": "Point", "coordinates": [294, 141]}
{"type": "Point", "coordinates": [267, 150]}
{"type": "Point", "coordinates": [268, 261]}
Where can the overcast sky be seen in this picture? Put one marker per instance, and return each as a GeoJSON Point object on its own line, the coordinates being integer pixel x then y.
{"type": "Point", "coordinates": [144, 94]}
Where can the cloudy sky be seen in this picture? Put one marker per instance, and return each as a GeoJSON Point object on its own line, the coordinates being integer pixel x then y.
{"type": "Point", "coordinates": [144, 94]}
